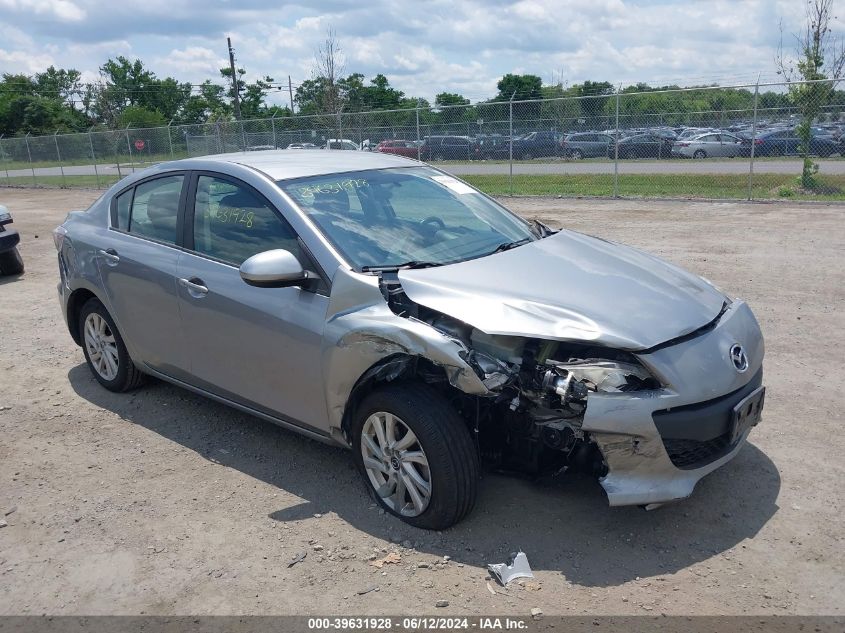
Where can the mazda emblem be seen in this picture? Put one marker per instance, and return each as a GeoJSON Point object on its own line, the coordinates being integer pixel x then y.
{"type": "Point", "coordinates": [739, 358]}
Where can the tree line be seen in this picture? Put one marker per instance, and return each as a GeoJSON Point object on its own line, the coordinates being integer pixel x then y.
{"type": "Point", "coordinates": [130, 94]}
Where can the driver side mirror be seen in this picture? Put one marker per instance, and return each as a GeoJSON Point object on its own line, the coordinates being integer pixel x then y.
{"type": "Point", "coordinates": [277, 268]}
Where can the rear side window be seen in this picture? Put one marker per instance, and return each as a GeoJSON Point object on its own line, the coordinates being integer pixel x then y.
{"type": "Point", "coordinates": [124, 204]}
{"type": "Point", "coordinates": [231, 223]}
{"type": "Point", "coordinates": [155, 208]}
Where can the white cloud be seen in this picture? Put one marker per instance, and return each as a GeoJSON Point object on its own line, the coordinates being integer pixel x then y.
{"type": "Point", "coordinates": [64, 10]}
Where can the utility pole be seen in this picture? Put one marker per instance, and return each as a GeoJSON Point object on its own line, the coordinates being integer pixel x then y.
{"type": "Point", "coordinates": [290, 92]}
{"type": "Point", "coordinates": [235, 91]}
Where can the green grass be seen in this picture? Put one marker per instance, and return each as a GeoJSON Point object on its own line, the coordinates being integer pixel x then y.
{"type": "Point", "coordinates": [704, 186]}
{"type": "Point", "coordinates": [712, 186]}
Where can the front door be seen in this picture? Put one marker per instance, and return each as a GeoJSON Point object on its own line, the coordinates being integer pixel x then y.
{"type": "Point", "coordinates": [257, 346]}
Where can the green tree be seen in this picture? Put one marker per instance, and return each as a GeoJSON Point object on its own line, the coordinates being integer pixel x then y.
{"type": "Point", "coordinates": [140, 117]}
{"type": "Point", "coordinates": [521, 87]}
{"type": "Point", "coordinates": [819, 54]}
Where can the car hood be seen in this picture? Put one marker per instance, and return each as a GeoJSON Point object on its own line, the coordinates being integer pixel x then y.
{"type": "Point", "coordinates": [570, 286]}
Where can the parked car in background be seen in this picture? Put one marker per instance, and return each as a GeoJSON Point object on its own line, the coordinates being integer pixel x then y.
{"type": "Point", "coordinates": [532, 145]}
{"type": "Point", "coordinates": [488, 143]}
{"type": "Point", "coordinates": [408, 149]}
{"type": "Point", "coordinates": [437, 148]}
{"type": "Point", "coordinates": [341, 143]}
{"type": "Point", "coordinates": [371, 302]}
{"type": "Point", "coordinates": [787, 143]}
{"type": "Point", "coordinates": [585, 145]}
{"type": "Point", "coordinates": [642, 146]}
{"type": "Point", "coordinates": [11, 262]}
{"type": "Point", "coordinates": [303, 146]}
{"type": "Point", "coordinates": [710, 145]}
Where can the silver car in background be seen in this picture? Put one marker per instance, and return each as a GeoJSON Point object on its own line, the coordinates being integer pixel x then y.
{"type": "Point", "coordinates": [709, 145]}
{"type": "Point", "coordinates": [375, 302]}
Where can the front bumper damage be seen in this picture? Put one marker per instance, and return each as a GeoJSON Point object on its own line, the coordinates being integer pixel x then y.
{"type": "Point", "coordinates": [658, 444]}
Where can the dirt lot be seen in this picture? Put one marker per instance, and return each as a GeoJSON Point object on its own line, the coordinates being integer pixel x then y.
{"type": "Point", "coordinates": [161, 502]}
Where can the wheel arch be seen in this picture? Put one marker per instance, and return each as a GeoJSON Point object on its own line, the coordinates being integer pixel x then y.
{"type": "Point", "coordinates": [393, 369]}
{"type": "Point", "coordinates": [75, 301]}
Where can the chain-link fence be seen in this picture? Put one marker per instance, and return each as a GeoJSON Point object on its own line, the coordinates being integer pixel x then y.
{"type": "Point", "coordinates": [708, 142]}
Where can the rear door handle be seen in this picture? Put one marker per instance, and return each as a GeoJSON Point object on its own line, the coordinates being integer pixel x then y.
{"type": "Point", "coordinates": [110, 255]}
{"type": "Point", "coordinates": [196, 286]}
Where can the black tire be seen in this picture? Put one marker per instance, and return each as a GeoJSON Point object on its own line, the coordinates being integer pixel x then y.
{"type": "Point", "coordinates": [438, 158]}
{"type": "Point", "coordinates": [128, 375]}
{"type": "Point", "coordinates": [776, 151]}
{"type": "Point", "coordinates": [576, 154]}
{"type": "Point", "coordinates": [527, 156]}
{"type": "Point", "coordinates": [447, 444]}
{"type": "Point", "coordinates": [11, 262]}
{"type": "Point", "coordinates": [699, 154]}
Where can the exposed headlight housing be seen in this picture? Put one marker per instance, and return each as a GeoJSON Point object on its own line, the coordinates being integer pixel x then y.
{"type": "Point", "coordinates": [596, 374]}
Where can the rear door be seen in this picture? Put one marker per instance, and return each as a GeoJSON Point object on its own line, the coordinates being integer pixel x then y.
{"type": "Point", "coordinates": [138, 265]}
{"type": "Point", "coordinates": [257, 346]}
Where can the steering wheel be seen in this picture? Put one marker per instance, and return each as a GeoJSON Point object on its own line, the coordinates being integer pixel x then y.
{"type": "Point", "coordinates": [439, 224]}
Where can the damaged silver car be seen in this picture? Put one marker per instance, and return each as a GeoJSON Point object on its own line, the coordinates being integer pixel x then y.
{"type": "Point", "coordinates": [381, 304]}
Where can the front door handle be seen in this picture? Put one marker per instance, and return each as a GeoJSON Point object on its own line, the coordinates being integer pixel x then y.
{"type": "Point", "coordinates": [196, 286]}
{"type": "Point", "coordinates": [110, 255]}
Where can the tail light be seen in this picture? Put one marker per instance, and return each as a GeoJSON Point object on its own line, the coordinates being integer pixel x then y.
{"type": "Point", "coordinates": [683, 144]}
{"type": "Point", "coordinates": [758, 141]}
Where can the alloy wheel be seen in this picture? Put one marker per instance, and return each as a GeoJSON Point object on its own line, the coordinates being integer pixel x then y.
{"type": "Point", "coordinates": [101, 346]}
{"type": "Point", "coordinates": [396, 464]}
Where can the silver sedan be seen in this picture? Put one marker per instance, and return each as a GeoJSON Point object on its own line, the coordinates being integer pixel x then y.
{"type": "Point", "coordinates": [710, 145]}
{"type": "Point", "coordinates": [377, 303]}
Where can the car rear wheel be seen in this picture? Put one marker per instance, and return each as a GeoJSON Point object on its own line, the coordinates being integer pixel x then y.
{"type": "Point", "coordinates": [438, 157]}
{"type": "Point", "coordinates": [11, 262]}
{"type": "Point", "coordinates": [527, 156]}
{"type": "Point", "coordinates": [104, 349]}
{"type": "Point", "coordinates": [699, 153]}
{"type": "Point", "coordinates": [776, 151]}
{"type": "Point", "coordinates": [577, 154]}
{"type": "Point", "coordinates": [416, 455]}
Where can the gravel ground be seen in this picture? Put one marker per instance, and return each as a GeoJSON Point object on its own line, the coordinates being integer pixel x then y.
{"type": "Point", "coordinates": [162, 502]}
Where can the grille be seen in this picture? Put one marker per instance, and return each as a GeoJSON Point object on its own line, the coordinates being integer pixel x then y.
{"type": "Point", "coordinates": [691, 454]}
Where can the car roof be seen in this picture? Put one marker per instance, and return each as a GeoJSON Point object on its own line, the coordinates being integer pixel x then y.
{"type": "Point", "coordinates": [282, 164]}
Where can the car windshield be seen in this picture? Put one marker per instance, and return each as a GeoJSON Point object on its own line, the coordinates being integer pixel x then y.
{"type": "Point", "coordinates": [407, 216]}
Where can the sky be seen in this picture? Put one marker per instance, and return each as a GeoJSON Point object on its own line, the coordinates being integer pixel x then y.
{"type": "Point", "coordinates": [423, 46]}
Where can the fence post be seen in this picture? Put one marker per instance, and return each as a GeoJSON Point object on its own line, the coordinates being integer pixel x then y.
{"type": "Point", "coordinates": [419, 148]}
{"type": "Point", "coordinates": [219, 139]}
{"type": "Point", "coordinates": [129, 147]}
{"type": "Point", "coordinates": [29, 155]}
{"type": "Point", "coordinates": [243, 134]}
{"type": "Point", "coordinates": [510, 143]}
{"type": "Point", "coordinates": [340, 128]}
{"type": "Point", "coordinates": [94, 156]}
{"type": "Point", "coordinates": [170, 138]}
{"type": "Point", "coordinates": [59, 156]}
{"type": "Point", "coordinates": [273, 123]}
{"type": "Point", "coordinates": [6, 166]}
{"type": "Point", "coordinates": [616, 148]}
{"type": "Point", "coordinates": [753, 137]}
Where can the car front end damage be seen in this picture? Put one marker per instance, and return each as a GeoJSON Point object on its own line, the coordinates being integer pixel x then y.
{"type": "Point", "coordinates": [648, 423]}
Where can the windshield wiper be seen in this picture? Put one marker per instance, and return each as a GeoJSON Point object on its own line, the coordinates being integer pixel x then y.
{"type": "Point", "coordinates": [405, 266]}
{"type": "Point", "coordinates": [509, 245]}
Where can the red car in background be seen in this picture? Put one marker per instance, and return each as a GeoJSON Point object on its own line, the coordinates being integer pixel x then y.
{"type": "Point", "coordinates": [409, 149]}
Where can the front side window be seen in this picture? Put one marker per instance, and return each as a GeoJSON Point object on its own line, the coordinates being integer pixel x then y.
{"type": "Point", "coordinates": [155, 208]}
{"type": "Point", "coordinates": [232, 223]}
{"type": "Point", "coordinates": [388, 217]}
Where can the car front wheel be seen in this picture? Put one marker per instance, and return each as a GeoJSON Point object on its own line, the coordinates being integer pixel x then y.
{"type": "Point", "coordinates": [104, 349]}
{"type": "Point", "coordinates": [416, 455]}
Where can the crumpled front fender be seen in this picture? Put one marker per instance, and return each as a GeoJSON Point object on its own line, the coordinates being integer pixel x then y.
{"type": "Point", "coordinates": [361, 330]}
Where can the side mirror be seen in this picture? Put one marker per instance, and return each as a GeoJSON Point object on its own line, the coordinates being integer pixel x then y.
{"type": "Point", "coordinates": [275, 269]}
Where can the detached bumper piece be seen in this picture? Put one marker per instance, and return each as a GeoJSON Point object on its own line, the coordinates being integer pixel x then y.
{"type": "Point", "coordinates": [698, 434]}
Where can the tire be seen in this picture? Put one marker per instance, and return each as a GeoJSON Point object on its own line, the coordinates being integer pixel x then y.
{"type": "Point", "coordinates": [699, 154]}
{"type": "Point", "coordinates": [776, 151]}
{"type": "Point", "coordinates": [527, 156]}
{"type": "Point", "coordinates": [126, 376]}
{"type": "Point", "coordinates": [439, 435]}
{"type": "Point", "coordinates": [576, 154]}
{"type": "Point", "coordinates": [438, 158]}
{"type": "Point", "coordinates": [11, 262]}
